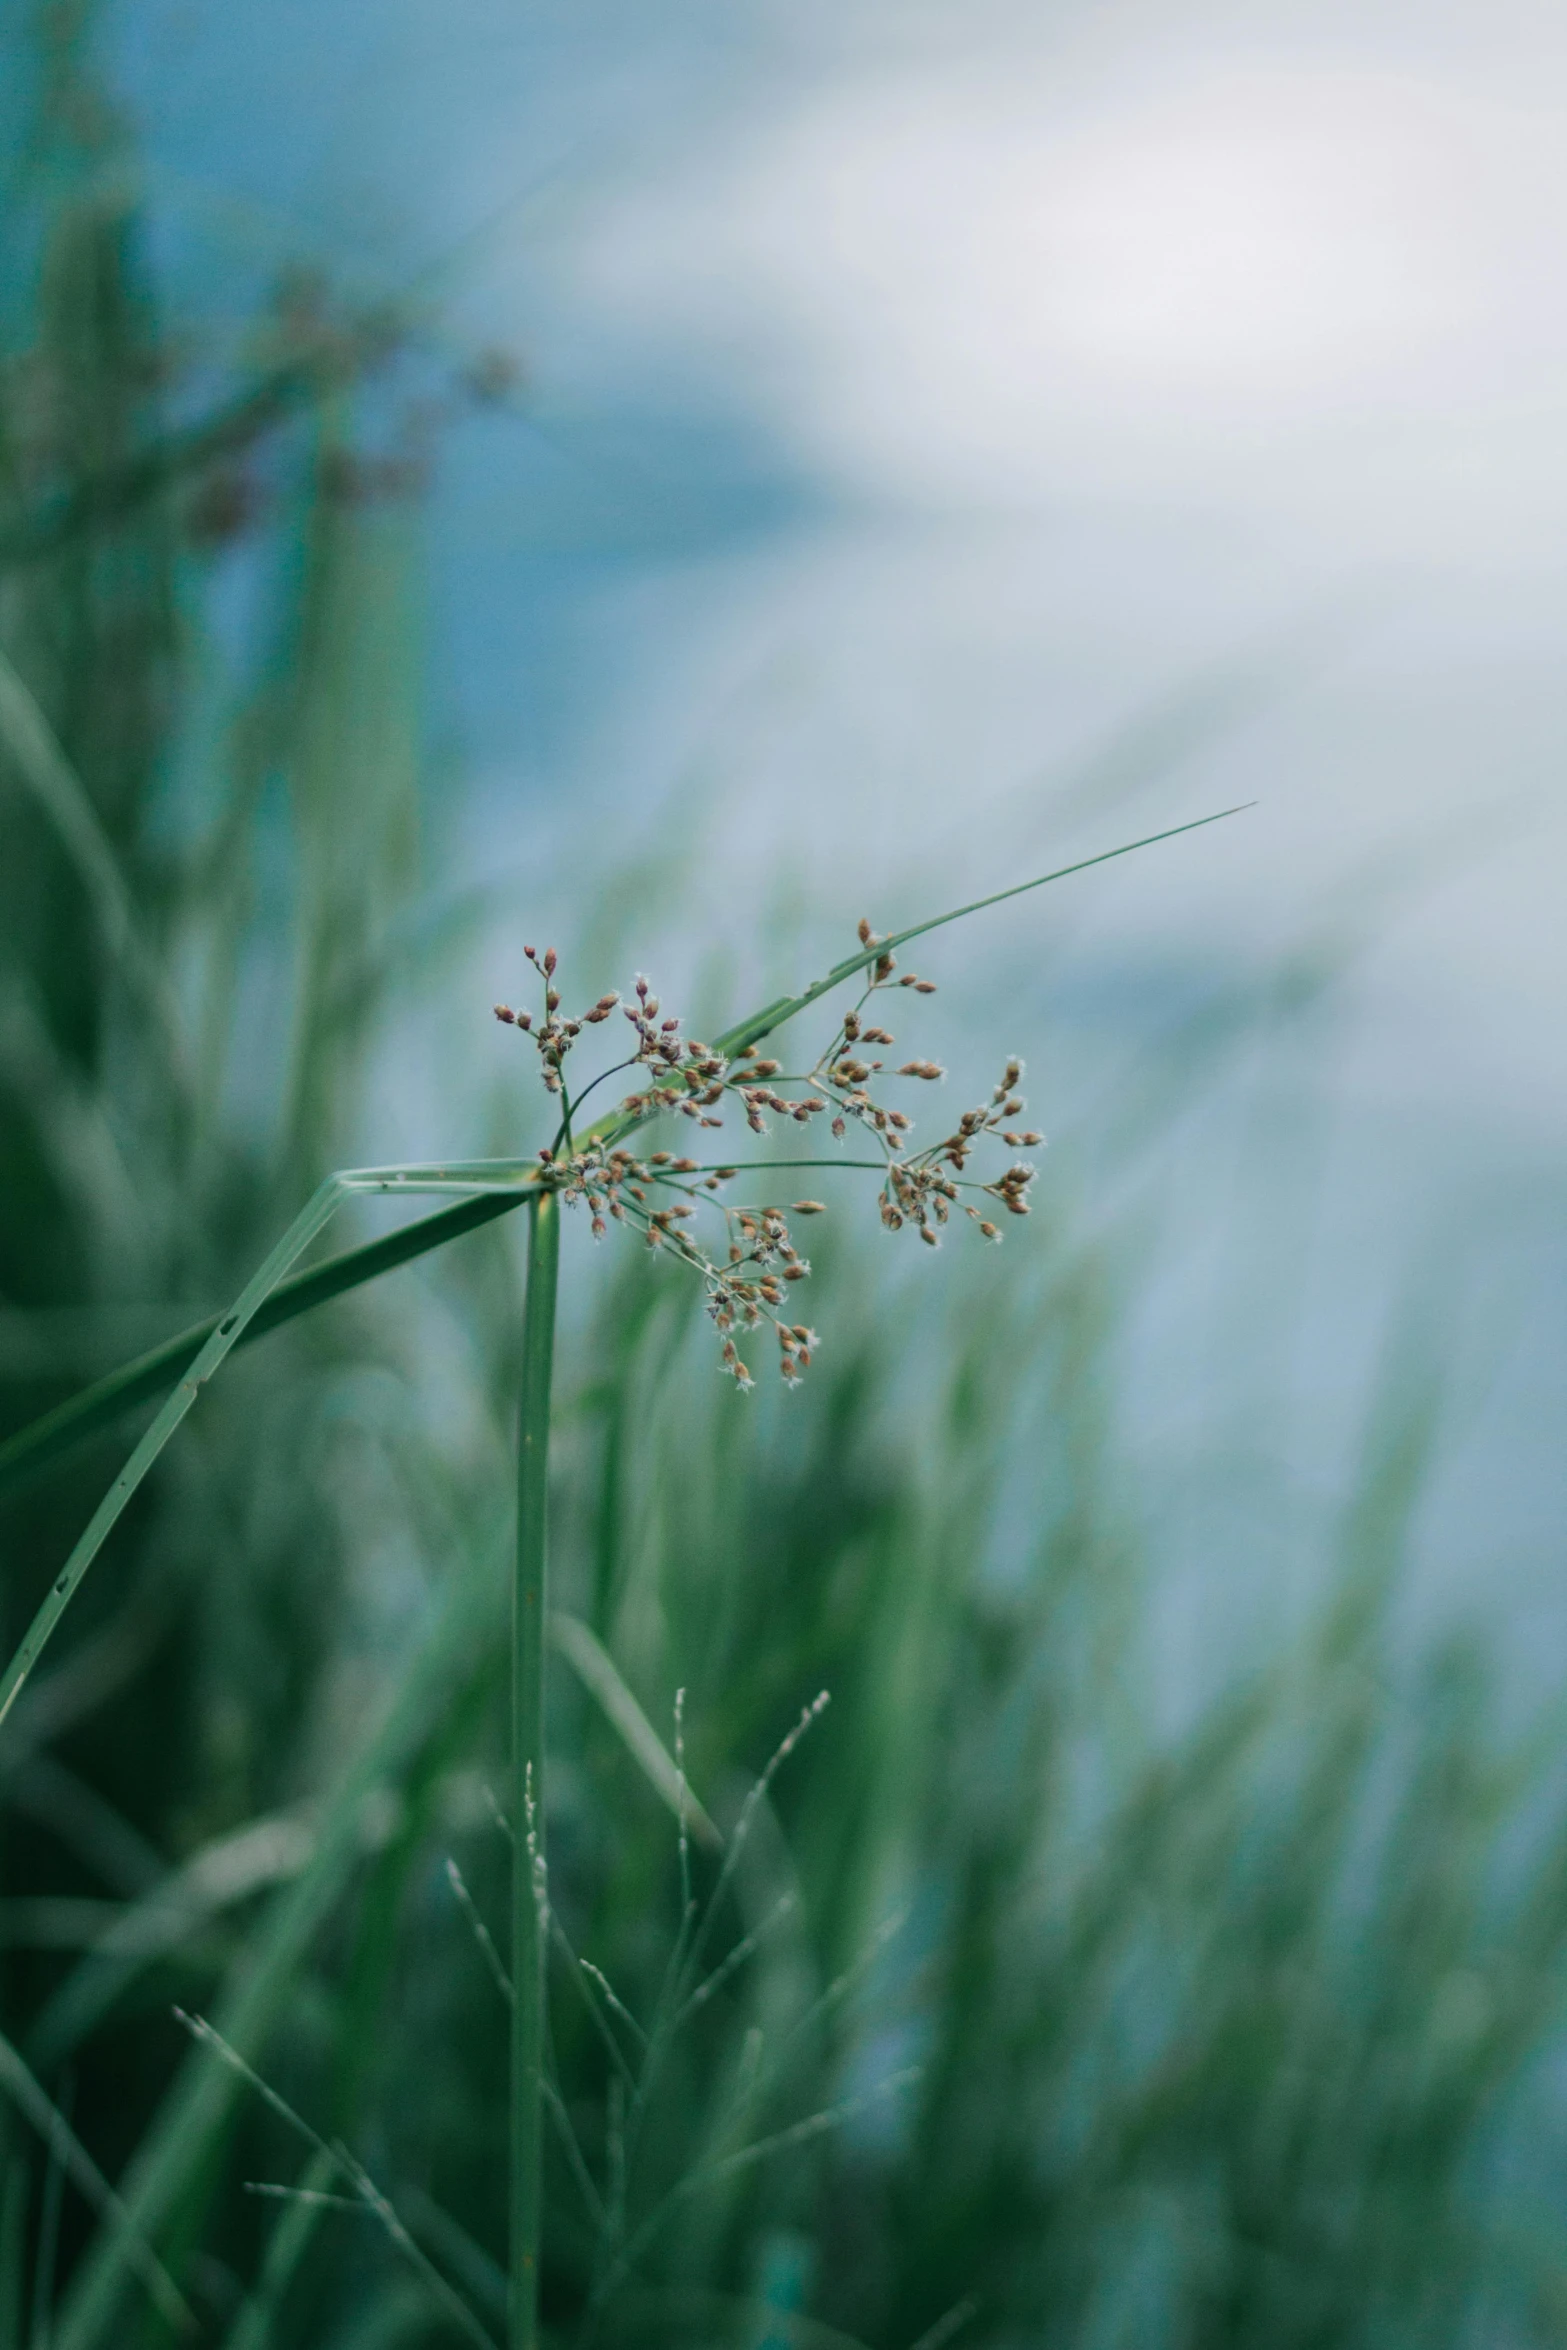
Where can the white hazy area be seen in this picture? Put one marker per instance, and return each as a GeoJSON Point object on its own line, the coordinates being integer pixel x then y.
{"type": "Point", "coordinates": [1132, 345]}
{"type": "Point", "coordinates": [1257, 281]}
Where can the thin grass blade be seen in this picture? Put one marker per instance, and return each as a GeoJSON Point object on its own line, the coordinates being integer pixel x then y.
{"type": "Point", "coordinates": [32, 1448]}
{"type": "Point", "coordinates": [468, 1179]}
{"type": "Point", "coordinates": [177, 2163]}
{"type": "Point", "coordinates": [59, 791]}
{"type": "Point", "coordinates": [73, 2158]}
{"type": "Point", "coordinates": [290, 2240]}
{"type": "Point", "coordinates": [596, 1669]}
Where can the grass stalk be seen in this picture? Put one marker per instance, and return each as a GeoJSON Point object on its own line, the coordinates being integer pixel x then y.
{"type": "Point", "coordinates": [530, 1627]}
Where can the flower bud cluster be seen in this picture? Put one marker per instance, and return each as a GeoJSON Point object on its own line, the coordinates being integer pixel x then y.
{"type": "Point", "coordinates": [553, 1036]}
{"type": "Point", "coordinates": [750, 1077]}
{"type": "Point", "coordinates": [749, 1274]}
{"type": "Point", "coordinates": [690, 1074]}
{"type": "Point", "coordinates": [922, 1190]}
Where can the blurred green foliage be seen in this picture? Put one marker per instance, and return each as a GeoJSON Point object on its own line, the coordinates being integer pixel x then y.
{"type": "Point", "coordinates": [1067, 2029]}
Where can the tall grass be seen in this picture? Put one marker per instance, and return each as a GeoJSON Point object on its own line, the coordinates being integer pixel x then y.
{"type": "Point", "coordinates": [1022, 2020]}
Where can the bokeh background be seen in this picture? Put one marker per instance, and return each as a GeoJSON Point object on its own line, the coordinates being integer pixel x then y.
{"type": "Point", "coordinates": [672, 481]}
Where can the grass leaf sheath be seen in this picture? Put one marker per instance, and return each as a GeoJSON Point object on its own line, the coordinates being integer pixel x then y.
{"type": "Point", "coordinates": [529, 1635]}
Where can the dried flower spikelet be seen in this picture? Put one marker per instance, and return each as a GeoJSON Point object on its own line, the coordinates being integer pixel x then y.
{"type": "Point", "coordinates": [920, 1188]}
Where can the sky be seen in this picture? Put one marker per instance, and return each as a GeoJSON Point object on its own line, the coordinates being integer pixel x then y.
{"type": "Point", "coordinates": [955, 436]}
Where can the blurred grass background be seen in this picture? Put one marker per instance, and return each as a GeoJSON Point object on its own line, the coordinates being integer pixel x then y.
{"type": "Point", "coordinates": [1236, 2023]}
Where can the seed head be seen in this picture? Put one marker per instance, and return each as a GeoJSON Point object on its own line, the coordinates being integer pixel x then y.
{"type": "Point", "coordinates": [749, 1275]}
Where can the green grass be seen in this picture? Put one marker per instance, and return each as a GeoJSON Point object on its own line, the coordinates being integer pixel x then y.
{"type": "Point", "coordinates": [1028, 2020]}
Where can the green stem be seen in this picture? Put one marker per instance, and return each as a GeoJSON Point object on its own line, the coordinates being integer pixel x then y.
{"type": "Point", "coordinates": [530, 1616]}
